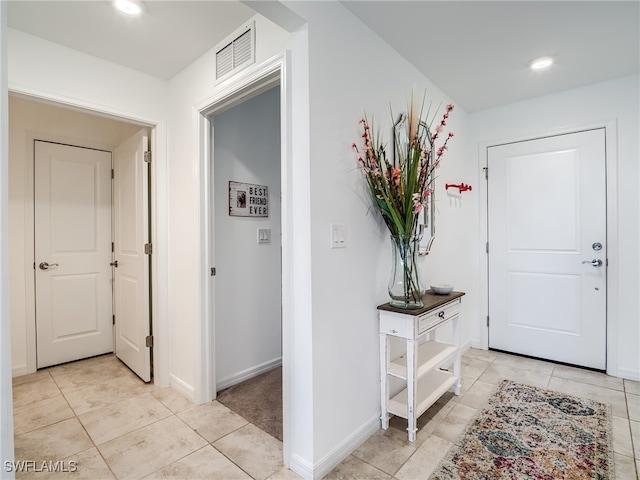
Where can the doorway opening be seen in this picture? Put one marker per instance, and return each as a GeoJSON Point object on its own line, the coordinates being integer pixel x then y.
{"type": "Point", "coordinates": [38, 126]}
{"type": "Point", "coordinates": [247, 229]}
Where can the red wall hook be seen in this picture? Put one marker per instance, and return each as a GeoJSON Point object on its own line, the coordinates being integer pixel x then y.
{"type": "Point", "coordinates": [462, 187]}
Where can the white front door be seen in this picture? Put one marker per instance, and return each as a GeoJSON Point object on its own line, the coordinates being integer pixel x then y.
{"type": "Point", "coordinates": [131, 275]}
{"type": "Point", "coordinates": [547, 248]}
{"type": "Point", "coordinates": [72, 253]}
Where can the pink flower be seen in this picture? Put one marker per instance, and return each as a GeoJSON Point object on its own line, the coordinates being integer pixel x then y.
{"type": "Point", "coordinates": [439, 129]}
{"type": "Point", "coordinates": [449, 107]}
{"type": "Point", "coordinates": [450, 134]}
{"type": "Point", "coordinates": [417, 203]}
{"type": "Point", "coordinates": [395, 175]}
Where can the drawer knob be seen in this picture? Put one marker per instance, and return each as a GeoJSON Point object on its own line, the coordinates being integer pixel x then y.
{"type": "Point", "coordinates": [441, 314]}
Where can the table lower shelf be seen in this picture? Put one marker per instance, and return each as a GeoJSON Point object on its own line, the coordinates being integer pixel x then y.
{"type": "Point", "coordinates": [431, 355]}
{"type": "Point", "coordinates": [429, 389]}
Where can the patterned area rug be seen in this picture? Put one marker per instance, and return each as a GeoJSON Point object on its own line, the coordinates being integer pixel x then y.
{"type": "Point", "coordinates": [531, 433]}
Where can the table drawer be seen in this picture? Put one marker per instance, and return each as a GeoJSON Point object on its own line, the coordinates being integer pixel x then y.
{"type": "Point", "coordinates": [431, 319]}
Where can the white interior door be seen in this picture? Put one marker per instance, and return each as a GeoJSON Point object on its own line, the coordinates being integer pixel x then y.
{"type": "Point", "coordinates": [547, 248]}
{"type": "Point", "coordinates": [131, 275]}
{"type": "Point", "coordinates": [72, 253]}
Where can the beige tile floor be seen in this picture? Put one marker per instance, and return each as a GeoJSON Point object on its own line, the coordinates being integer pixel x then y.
{"type": "Point", "coordinates": [98, 414]}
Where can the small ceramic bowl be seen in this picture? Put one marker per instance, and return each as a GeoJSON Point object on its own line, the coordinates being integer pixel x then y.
{"type": "Point", "coordinates": [442, 289]}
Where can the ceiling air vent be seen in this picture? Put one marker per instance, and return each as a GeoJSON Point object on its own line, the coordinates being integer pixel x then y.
{"type": "Point", "coordinates": [236, 54]}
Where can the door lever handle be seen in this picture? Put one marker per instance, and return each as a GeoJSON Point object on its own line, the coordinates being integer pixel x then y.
{"type": "Point", "coordinates": [114, 264]}
{"type": "Point", "coordinates": [596, 262]}
{"type": "Point", "coordinates": [45, 265]}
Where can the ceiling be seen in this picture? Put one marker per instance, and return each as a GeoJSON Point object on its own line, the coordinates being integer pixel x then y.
{"type": "Point", "coordinates": [476, 51]}
{"type": "Point", "coordinates": [162, 42]}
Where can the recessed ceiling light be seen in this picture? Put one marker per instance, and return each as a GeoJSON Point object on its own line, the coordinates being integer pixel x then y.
{"type": "Point", "coordinates": [129, 7]}
{"type": "Point", "coordinates": [541, 63]}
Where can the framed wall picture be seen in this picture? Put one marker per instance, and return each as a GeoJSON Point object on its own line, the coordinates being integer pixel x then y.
{"type": "Point", "coordinates": [248, 200]}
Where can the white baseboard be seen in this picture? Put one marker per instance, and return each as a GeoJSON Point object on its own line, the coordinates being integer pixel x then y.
{"type": "Point", "coordinates": [182, 387]}
{"type": "Point", "coordinates": [301, 467]}
{"type": "Point", "coordinates": [466, 346]}
{"type": "Point", "coordinates": [222, 383]}
{"type": "Point", "coordinates": [20, 370]}
{"type": "Point", "coordinates": [629, 374]}
{"type": "Point", "coordinates": [345, 448]}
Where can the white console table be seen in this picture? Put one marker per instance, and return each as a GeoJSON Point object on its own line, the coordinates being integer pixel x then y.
{"type": "Point", "coordinates": [421, 365]}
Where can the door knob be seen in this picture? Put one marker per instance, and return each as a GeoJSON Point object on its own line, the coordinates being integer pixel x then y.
{"type": "Point", "coordinates": [45, 265]}
{"type": "Point", "coordinates": [596, 262]}
{"type": "Point", "coordinates": [114, 264]}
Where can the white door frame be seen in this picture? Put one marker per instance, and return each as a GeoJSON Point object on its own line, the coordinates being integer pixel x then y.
{"type": "Point", "coordinates": [265, 76]}
{"type": "Point", "coordinates": [159, 276]}
{"type": "Point", "coordinates": [610, 127]}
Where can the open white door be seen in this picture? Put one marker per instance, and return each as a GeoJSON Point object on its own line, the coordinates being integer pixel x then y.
{"type": "Point", "coordinates": [72, 252]}
{"type": "Point", "coordinates": [131, 269]}
{"type": "Point", "coordinates": [548, 248]}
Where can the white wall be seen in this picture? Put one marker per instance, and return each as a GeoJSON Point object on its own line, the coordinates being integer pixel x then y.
{"type": "Point", "coordinates": [350, 69]}
{"type": "Point", "coordinates": [248, 321]}
{"type": "Point", "coordinates": [616, 100]}
{"type": "Point", "coordinates": [6, 402]}
{"type": "Point", "coordinates": [28, 121]}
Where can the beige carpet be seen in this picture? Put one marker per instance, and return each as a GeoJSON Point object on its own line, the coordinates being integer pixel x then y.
{"type": "Point", "coordinates": [258, 400]}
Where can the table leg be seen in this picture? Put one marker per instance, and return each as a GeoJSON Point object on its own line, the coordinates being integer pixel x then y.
{"type": "Point", "coordinates": [456, 359]}
{"type": "Point", "coordinates": [384, 384]}
{"type": "Point", "coordinates": [411, 389]}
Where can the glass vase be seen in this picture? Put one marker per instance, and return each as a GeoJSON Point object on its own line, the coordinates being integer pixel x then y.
{"type": "Point", "coordinates": [405, 285]}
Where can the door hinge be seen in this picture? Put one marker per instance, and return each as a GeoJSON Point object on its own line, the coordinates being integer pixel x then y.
{"type": "Point", "coordinates": [114, 320]}
{"type": "Point", "coordinates": [147, 156]}
{"type": "Point", "coordinates": [486, 172]}
{"type": "Point", "coordinates": [112, 174]}
{"type": "Point", "coordinates": [148, 248]}
{"type": "Point", "coordinates": [113, 247]}
{"type": "Point", "coordinates": [487, 320]}
{"type": "Point", "coordinates": [213, 271]}
{"type": "Point", "coordinates": [148, 341]}
{"type": "Point", "coordinates": [486, 247]}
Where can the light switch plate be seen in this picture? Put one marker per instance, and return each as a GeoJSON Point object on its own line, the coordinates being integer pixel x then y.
{"type": "Point", "coordinates": [338, 236]}
{"type": "Point", "coordinates": [264, 235]}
